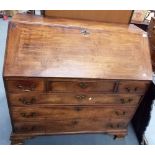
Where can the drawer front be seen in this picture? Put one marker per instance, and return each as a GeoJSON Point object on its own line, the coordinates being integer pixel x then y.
{"type": "Point", "coordinates": [16, 86]}
{"type": "Point", "coordinates": [70, 125]}
{"type": "Point", "coordinates": [133, 87]}
{"type": "Point", "coordinates": [29, 99]}
{"type": "Point", "coordinates": [70, 112]}
{"type": "Point", "coordinates": [81, 86]}
{"type": "Point", "coordinates": [85, 125]}
{"type": "Point", "coordinates": [29, 127]}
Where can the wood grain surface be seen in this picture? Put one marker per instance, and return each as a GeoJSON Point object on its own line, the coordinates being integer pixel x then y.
{"type": "Point", "coordinates": [73, 48]}
{"type": "Point", "coordinates": [74, 76]}
{"type": "Point", "coordinates": [113, 16]}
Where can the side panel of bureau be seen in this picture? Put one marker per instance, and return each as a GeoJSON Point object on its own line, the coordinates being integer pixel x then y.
{"type": "Point", "coordinates": [151, 33]}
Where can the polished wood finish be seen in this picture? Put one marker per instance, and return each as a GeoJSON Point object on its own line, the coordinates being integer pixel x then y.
{"type": "Point", "coordinates": [71, 76]}
{"type": "Point", "coordinates": [112, 16]}
{"type": "Point", "coordinates": [151, 33]}
{"type": "Point", "coordinates": [17, 86]}
{"type": "Point", "coordinates": [29, 99]}
{"type": "Point", "coordinates": [133, 87]}
{"type": "Point", "coordinates": [82, 86]}
{"type": "Point", "coordinates": [71, 125]}
{"type": "Point", "coordinates": [99, 47]}
{"type": "Point", "coordinates": [88, 125]}
{"type": "Point", "coordinates": [29, 127]}
{"type": "Point", "coordinates": [70, 112]}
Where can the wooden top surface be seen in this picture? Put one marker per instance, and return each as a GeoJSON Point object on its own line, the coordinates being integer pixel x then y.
{"type": "Point", "coordinates": [65, 48]}
{"type": "Point", "coordinates": [112, 16]}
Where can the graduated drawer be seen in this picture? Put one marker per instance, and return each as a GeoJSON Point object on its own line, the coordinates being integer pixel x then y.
{"type": "Point", "coordinates": [24, 85]}
{"type": "Point", "coordinates": [70, 125]}
{"type": "Point", "coordinates": [85, 125]}
{"type": "Point", "coordinates": [135, 87]}
{"type": "Point", "coordinates": [70, 112]}
{"type": "Point", "coordinates": [29, 99]}
{"type": "Point", "coordinates": [81, 86]}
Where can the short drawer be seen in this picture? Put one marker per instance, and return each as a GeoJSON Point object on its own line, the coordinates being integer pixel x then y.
{"type": "Point", "coordinates": [81, 86]}
{"type": "Point", "coordinates": [70, 112]}
{"type": "Point", "coordinates": [15, 86]}
{"type": "Point", "coordinates": [29, 99]}
{"type": "Point", "coordinates": [132, 87]}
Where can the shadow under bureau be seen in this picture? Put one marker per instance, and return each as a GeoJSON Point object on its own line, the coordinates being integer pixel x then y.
{"type": "Point", "coordinates": [65, 76]}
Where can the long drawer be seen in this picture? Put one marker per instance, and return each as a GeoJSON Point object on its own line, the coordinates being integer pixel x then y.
{"type": "Point", "coordinates": [29, 127]}
{"type": "Point", "coordinates": [70, 125]}
{"type": "Point", "coordinates": [28, 99]}
{"type": "Point", "coordinates": [71, 112]}
{"type": "Point", "coordinates": [85, 125]}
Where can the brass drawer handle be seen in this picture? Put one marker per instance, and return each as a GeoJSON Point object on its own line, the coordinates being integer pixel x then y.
{"type": "Point", "coordinates": [24, 128]}
{"type": "Point", "coordinates": [149, 35]}
{"type": "Point", "coordinates": [153, 47]}
{"type": "Point", "coordinates": [129, 89]}
{"type": "Point", "coordinates": [80, 97]}
{"type": "Point", "coordinates": [135, 89]}
{"type": "Point", "coordinates": [78, 108]}
{"type": "Point", "coordinates": [28, 115]}
{"type": "Point", "coordinates": [130, 100]}
{"type": "Point", "coordinates": [123, 101]}
{"type": "Point", "coordinates": [116, 126]}
{"type": "Point", "coordinates": [120, 113]}
{"type": "Point", "coordinates": [27, 101]}
{"type": "Point", "coordinates": [83, 85]}
{"type": "Point", "coordinates": [26, 88]}
{"type": "Point", "coordinates": [75, 122]}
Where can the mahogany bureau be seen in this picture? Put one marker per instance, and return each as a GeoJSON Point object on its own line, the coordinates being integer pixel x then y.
{"type": "Point", "coordinates": [66, 76]}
